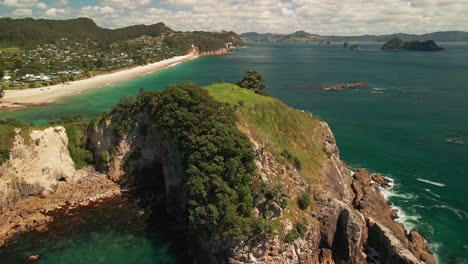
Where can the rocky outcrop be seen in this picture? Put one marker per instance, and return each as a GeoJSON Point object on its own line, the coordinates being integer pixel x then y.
{"type": "Point", "coordinates": [341, 87]}
{"type": "Point", "coordinates": [39, 161]}
{"type": "Point", "coordinates": [142, 159]}
{"type": "Point", "coordinates": [388, 237]}
{"type": "Point", "coordinates": [353, 224]}
{"type": "Point", "coordinates": [40, 177]}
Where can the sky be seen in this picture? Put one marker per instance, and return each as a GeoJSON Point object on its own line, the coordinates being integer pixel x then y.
{"type": "Point", "coordinates": [325, 17]}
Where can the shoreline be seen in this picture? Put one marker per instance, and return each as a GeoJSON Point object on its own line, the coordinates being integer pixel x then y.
{"type": "Point", "coordinates": [18, 99]}
{"type": "Point", "coordinates": [33, 213]}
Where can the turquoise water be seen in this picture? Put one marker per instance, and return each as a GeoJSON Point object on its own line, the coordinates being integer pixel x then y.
{"type": "Point", "coordinates": [410, 124]}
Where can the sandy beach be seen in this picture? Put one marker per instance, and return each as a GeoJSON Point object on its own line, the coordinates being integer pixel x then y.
{"type": "Point", "coordinates": [15, 99]}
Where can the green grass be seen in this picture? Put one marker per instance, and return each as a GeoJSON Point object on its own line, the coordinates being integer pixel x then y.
{"type": "Point", "coordinates": [10, 50]}
{"type": "Point", "coordinates": [280, 126]}
{"type": "Point", "coordinates": [233, 94]}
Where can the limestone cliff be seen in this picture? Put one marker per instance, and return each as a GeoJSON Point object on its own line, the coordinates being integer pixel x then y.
{"type": "Point", "coordinates": [39, 177]}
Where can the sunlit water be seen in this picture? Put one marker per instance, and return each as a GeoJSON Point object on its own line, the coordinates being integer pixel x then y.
{"type": "Point", "coordinates": [410, 123]}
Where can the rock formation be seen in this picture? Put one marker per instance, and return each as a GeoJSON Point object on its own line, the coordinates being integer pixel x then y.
{"type": "Point", "coordinates": [348, 220]}
{"type": "Point", "coordinates": [340, 87]}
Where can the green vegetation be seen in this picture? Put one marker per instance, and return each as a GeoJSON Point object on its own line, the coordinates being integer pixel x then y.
{"type": "Point", "coordinates": [218, 158]}
{"type": "Point", "coordinates": [304, 200]}
{"type": "Point", "coordinates": [279, 126]}
{"type": "Point", "coordinates": [234, 95]}
{"type": "Point", "coordinates": [298, 231]}
{"type": "Point", "coordinates": [7, 137]}
{"type": "Point", "coordinates": [295, 160]}
{"type": "Point", "coordinates": [2, 93]}
{"type": "Point", "coordinates": [77, 142]}
{"type": "Point", "coordinates": [253, 81]}
{"type": "Point", "coordinates": [76, 129]}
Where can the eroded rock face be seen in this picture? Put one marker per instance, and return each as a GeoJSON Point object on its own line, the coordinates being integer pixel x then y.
{"type": "Point", "coordinates": [142, 151]}
{"type": "Point", "coordinates": [36, 166]}
{"type": "Point", "coordinates": [355, 223]}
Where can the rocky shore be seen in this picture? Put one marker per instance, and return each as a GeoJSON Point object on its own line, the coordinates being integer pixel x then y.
{"type": "Point", "coordinates": [35, 212]}
{"type": "Point", "coordinates": [355, 222]}
{"type": "Point", "coordinates": [40, 177]}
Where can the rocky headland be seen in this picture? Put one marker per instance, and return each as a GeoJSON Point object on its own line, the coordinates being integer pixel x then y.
{"type": "Point", "coordinates": [345, 218]}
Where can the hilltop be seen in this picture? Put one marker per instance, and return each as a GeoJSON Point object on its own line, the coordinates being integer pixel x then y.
{"type": "Point", "coordinates": [444, 36]}
{"type": "Point", "coordinates": [246, 177]}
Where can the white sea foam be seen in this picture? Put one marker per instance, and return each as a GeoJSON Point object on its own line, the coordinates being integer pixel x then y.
{"type": "Point", "coordinates": [431, 192]}
{"type": "Point", "coordinates": [431, 182]}
{"type": "Point", "coordinates": [455, 141]}
{"type": "Point", "coordinates": [172, 65]}
{"type": "Point", "coordinates": [376, 92]}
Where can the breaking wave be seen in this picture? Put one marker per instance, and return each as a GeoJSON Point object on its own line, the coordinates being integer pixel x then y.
{"type": "Point", "coordinates": [431, 182]}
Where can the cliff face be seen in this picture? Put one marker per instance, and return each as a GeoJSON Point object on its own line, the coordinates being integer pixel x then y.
{"type": "Point", "coordinates": [40, 177]}
{"type": "Point", "coordinates": [39, 160]}
{"type": "Point", "coordinates": [355, 223]}
{"type": "Point", "coordinates": [345, 218]}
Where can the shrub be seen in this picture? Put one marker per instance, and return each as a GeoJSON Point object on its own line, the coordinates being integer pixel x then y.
{"type": "Point", "coordinates": [291, 236]}
{"type": "Point", "coordinates": [295, 160]}
{"type": "Point", "coordinates": [301, 229]}
{"type": "Point", "coordinates": [304, 200]}
{"type": "Point", "coordinates": [77, 143]}
{"type": "Point", "coordinates": [253, 81]}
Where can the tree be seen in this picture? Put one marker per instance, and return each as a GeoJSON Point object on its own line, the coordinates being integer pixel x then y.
{"type": "Point", "coordinates": [253, 81]}
{"type": "Point", "coordinates": [2, 93]}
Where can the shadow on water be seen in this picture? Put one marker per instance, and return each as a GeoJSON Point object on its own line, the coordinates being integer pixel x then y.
{"type": "Point", "coordinates": [150, 192]}
{"type": "Point", "coordinates": [135, 228]}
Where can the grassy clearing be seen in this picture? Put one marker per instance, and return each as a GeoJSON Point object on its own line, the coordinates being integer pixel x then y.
{"type": "Point", "coordinates": [279, 126]}
{"type": "Point", "coordinates": [233, 94]}
{"type": "Point", "coordinates": [284, 128]}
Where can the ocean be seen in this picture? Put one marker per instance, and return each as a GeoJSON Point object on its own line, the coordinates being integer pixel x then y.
{"type": "Point", "coordinates": [410, 123]}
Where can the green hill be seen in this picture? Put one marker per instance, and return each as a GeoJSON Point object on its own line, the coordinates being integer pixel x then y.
{"type": "Point", "coordinates": [28, 32]}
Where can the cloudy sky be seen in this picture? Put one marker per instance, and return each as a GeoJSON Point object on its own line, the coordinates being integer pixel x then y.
{"type": "Point", "coordinates": [341, 17]}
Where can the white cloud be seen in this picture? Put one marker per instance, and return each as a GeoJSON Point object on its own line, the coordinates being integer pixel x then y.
{"type": "Point", "coordinates": [22, 12]}
{"type": "Point", "coordinates": [42, 6]}
{"type": "Point", "coordinates": [56, 12]}
{"type": "Point", "coordinates": [348, 17]}
{"type": "Point", "coordinates": [97, 10]}
{"type": "Point", "coordinates": [128, 4]}
{"type": "Point", "coordinates": [20, 3]}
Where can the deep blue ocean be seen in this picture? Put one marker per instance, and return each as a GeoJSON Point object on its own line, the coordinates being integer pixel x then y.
{"type": "Point", "coordinates": [410, 123]}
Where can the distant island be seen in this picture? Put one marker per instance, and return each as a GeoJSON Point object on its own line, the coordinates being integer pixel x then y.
{"type": "Point", "coordinates": [303, 36]}
{"type": "Point", "coordinates": [399, 44]}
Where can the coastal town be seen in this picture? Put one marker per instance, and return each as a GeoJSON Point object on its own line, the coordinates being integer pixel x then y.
{"type": "Point", "coordinates": [65, 60]}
